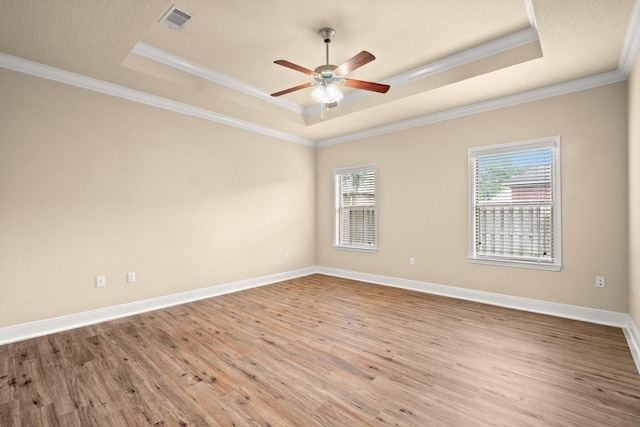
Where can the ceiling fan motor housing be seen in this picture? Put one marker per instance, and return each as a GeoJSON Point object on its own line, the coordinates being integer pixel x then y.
{"type": "Point", "coordinates": [325, 69]}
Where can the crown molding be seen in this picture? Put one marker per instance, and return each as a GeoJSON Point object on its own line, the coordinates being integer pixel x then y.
{"type": "Point", "coordinates": [474, 54]}
{"type": "Point", "coordinates": [493, 104]}
{"type": "Point", "coordinates": [66, 77]}
{"type": "Point", "coordinates": [628, 57]}
{"type": "Point", "coordinates": [528, 4]}
{"type": "Point", "coordinates": [477, 53]}
{"type": "Point", "coordinates": [161, 56]}
{"type": "Point", "coordinates": [631, 42]}
{"type": "Point", "coordinates": [627, 60]}
{"type": "Point", "coordinates": [95, 85]}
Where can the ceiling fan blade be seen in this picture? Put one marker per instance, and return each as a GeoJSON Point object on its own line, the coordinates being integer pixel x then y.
{"type": "Point", "coordinates": [354, 63]}
{"type": "Point", "coordinates": [360, 84]}
{"type": "Point", "coordinates": [295, 67]}
{"type": "Point", "coordinates": [293, 89]}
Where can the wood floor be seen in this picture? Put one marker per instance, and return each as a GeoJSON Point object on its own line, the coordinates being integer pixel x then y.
{"type": "Point", "coordinates": [323, 351]}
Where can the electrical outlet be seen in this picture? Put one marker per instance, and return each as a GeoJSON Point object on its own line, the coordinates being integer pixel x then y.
{"type": "Point", "coordinates": [599, 282]}
{"type": "Point", "coordinates": [633, 290]}
{"type": "Point", "coordinates": [101, 281]}
{"type": "Point", "coordinates": [131, 277]}
{"type": "Point", "coordinates": [412, 261]}
{"type": "Point", "coordinates": [285, 255]}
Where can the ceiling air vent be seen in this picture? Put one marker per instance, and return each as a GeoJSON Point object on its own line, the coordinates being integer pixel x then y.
{"type": "Point", "coordinates": [175, 19]}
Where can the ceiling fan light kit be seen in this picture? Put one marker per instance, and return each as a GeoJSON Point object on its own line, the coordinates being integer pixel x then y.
{"type": "Point", "coordinates": [327, 94]}
{"type": "Point", "coordinates": [327, 77]}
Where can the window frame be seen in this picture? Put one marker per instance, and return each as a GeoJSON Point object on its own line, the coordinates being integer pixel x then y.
{"type": "Point", "coordinates": [552, 142]}
{"type": "Point", "coordinates": [347, 170]}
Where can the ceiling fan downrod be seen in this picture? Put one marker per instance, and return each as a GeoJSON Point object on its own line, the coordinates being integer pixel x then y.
{"type": "Point", "coordinates": [327, 34]}
{"type": "Point", "coordinates": [327, 69]}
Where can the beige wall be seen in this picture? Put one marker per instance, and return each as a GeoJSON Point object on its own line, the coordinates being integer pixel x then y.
{"type": "Point", "coordinates": [634, 192]}
{"type": "Point", "coordinates": [422, 176]}
{"type": "Point", "coordinates": [95, 185]}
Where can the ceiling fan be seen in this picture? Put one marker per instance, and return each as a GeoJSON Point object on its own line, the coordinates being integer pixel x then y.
{"type": "Point", "coordinates": [327, 76]}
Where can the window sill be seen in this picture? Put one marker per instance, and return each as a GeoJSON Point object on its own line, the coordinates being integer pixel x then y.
{"type": "Point", "coordinates": [356, 249]}
{"type": "Point", "coordinates": [517, 264]}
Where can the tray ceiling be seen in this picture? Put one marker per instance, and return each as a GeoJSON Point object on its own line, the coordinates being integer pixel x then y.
{"type": "Point", "coordinates": [438, 56]}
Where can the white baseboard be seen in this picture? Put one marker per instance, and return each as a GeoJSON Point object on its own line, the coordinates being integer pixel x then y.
{"type": "Point", "coordinates": [591, 315]}
{"type": "Point", "coordinates": [633, 338]}
{"type": "Point", "coordinates": [48, 326]}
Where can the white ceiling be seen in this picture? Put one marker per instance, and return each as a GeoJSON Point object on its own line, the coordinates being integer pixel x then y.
{"type": "Point", "coordinates": [442, 58]}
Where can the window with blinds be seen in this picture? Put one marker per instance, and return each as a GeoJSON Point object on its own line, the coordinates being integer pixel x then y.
{"type": "Point", "coordinates": [355, 208]}
{"type": "Point", "coordinates": [514, 201]}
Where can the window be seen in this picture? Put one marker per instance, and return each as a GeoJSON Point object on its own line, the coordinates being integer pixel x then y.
{"type": "Point", "coordinates": [514, 204]}
{"type": "Point", "coordinates": [355, 208]}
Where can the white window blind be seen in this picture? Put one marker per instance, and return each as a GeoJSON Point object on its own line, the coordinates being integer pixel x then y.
{"type": "Point", "coordinates": [515, 204]}
{"type": "Point", "coordinates": [355, 208]}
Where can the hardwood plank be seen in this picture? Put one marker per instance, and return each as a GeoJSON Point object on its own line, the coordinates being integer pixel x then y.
{"type": "Point", "coordinates": [324, 351]}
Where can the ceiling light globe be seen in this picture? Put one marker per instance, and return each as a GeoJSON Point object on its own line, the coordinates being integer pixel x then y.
{"type": "Point", "coordinates": [319, 94]}
{"type": "Point", "coordinates": [333, 94]}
